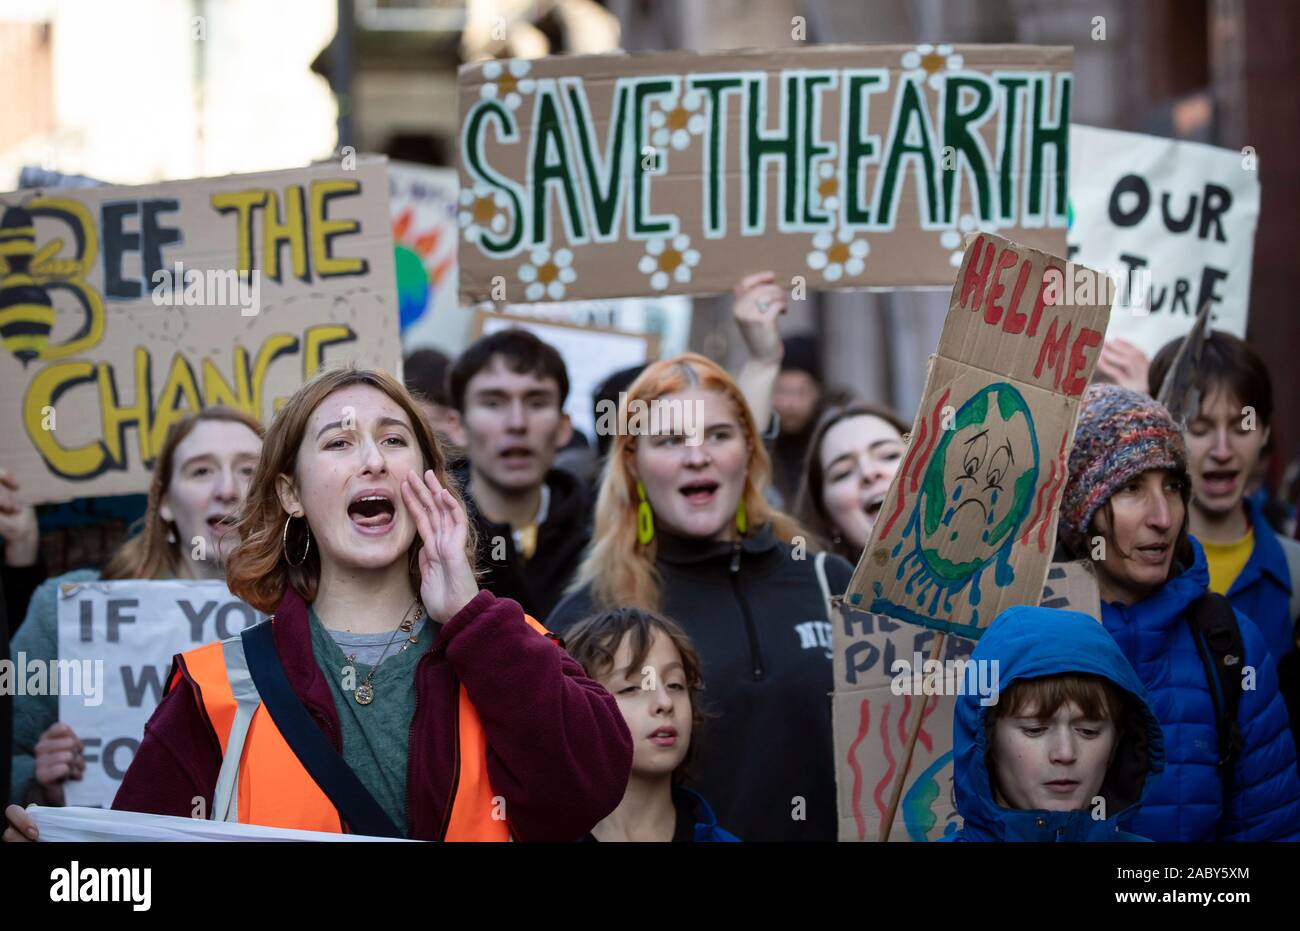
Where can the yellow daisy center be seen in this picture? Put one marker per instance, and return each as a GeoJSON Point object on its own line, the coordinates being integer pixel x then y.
{"type": "Point", "coordinates": [828, 187]}
{"type": "Point", "coordinates": [507, 83]}
{"type": "Point", "coordinates": [677, 119]}
{"type": "Point", "coordinates": [838, 253]}
{"type": "Point", "coordinates": [932, 63]}
{"type": "Point", "coordinates": [483, 210]}
{"type": "Point", "coordinates": [548, 272]}
{"type": "Point", "coordinates": [669, 259]}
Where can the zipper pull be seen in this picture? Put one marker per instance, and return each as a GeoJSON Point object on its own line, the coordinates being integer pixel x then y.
{"type": "Point", "coordinates": [735, 556]}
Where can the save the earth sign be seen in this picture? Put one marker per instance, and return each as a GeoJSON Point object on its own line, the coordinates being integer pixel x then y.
{"type": "Point", "coordinates": [674, 173]}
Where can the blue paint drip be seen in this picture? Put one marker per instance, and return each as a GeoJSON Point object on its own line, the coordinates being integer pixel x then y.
{"type": "Point", "coordinates": [956, 493]}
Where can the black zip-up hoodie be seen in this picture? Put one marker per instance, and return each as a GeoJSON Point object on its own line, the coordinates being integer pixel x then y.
{"type": "Point", "coordinates": [537, 583]}
{"type": "Point", "coordinates": [757, 618]}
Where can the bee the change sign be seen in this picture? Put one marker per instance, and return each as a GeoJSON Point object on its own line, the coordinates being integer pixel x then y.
{"type": "Point", "coordinates": [124, 308]}
{"type": "Point", "coordinates": [849, 167]}
{"type": "Point", "coordinates": [969, 523]}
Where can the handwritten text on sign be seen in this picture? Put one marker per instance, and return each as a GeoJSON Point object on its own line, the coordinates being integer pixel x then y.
{"type": "Point", "coordinates": [618, 175]}
{"type": "Point", "coordinates": [134, 628]}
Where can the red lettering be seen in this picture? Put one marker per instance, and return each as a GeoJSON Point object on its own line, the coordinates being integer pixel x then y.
{"type": "Point", "coordinates": [973, 281]}
{"type": "Point", "coordinates": [993, 310]}
{"type": "Point", "coordinates": [1074, 383]}
{"type": "Point", "coordinates": [1053, 351]}
{"type": "Point", "coordinates": [1015, 320]}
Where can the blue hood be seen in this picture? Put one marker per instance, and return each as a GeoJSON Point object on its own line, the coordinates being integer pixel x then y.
{"type": "Point", "coordinates": [1029, 643]}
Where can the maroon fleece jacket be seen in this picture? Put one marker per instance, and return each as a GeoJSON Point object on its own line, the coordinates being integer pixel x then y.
{"type": "Point", "coordinates": [559, 752]}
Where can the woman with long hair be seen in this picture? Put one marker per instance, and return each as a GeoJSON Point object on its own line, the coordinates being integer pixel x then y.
{"type": "Point", "coordinates": [200, 478]}
{"type": "Point", "coordinates": [854, 454]}
{"type": "Point", "coordinates": [682, 527]}
{"type": "Point", "coordinates": [387, 694]}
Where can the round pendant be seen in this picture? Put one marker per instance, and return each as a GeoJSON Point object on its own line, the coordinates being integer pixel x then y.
{"type": "Point", "coordinates": [364, 694]}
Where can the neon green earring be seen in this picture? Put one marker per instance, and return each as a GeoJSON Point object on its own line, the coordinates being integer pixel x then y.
{"type": "Point", "coordinates": [742, 517]}
{"type": "Point", "coordinates": [645, 518]}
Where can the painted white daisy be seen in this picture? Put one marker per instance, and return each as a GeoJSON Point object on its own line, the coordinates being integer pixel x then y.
{"type": "Point", "coordinates": [929, 62]}
{"type": "Point", "coordinates": [677, 119]}
{"type": "Point", "coordinates": [952, 239]}
{"type": "Point", "coordinates": [506, 81]}
{"type": "Point", "coordinates": [666, 262]}
{"type": "Point", "coordinates": [546, 274]}
{"type": "Point", "coordinates": [837, 255]}
{"type": "Point", "coordinates": [482, 208]}
{"type": "Point", "coordinates": [828, 188]}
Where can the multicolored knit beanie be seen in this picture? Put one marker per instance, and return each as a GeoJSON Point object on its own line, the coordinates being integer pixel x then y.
{"type": "Point", "coordinates": [1121, 434]}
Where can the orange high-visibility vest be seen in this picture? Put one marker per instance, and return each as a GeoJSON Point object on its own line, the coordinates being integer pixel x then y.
{"type": "Point", "coordinates": [266, 784]}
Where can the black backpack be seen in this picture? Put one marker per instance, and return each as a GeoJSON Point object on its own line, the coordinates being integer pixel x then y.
{"type": "Point", "coordinates": [1223, 654]}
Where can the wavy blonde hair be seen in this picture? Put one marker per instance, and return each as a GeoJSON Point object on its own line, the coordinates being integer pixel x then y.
{"type": "Point", "coordinates": [257, 571]}
{"type": "Point", "coordinates": [619, 570]}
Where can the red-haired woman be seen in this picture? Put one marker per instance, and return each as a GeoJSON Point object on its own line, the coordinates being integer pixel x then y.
{"type": "Point", "coordinates": [682, 527]}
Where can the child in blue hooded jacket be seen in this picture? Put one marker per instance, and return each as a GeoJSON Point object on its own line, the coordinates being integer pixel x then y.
{"type": "Point", "coordinates": [1070, 743]}
{"type": "Point", "coordinates": [1125, 507]}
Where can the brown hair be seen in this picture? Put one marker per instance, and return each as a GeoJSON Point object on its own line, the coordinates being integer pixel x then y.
{"type": "Point", "coordinates": [257, 571]}
{"type": "Point", "coordinates": [1226, 362]}
{"type": "Point", "coordinates": [149, 554]}
{"type": "Point", "coordinates": [619, 570]}
{"type": "Point", "coordinates": [810, 509]}
{"type": "Point", "coordinates": [1097, 697]}
{"type": "Point", "coordinates": [594, 642]}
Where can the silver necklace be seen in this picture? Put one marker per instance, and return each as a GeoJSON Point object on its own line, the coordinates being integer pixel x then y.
{"type": "Point", "coordinates": [365, 692]}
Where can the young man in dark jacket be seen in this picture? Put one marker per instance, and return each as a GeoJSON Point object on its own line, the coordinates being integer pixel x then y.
{"type": "Point", "coordinates": [533, 520]}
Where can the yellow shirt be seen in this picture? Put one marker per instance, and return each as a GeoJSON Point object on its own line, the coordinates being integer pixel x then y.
{"type": "Point", "coordinates": [1227, 560]}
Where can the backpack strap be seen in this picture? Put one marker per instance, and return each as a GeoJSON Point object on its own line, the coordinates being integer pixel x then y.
{"type": "Point", "coordinates": [358, 808]}
{"type": "Point", "coordinates": [1223, 654]}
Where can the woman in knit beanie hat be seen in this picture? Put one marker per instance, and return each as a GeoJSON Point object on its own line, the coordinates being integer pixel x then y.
{"type": "Point", "coordinates": [1125, 445]}
{"type": "Point", "coordinates": [1125, 508]}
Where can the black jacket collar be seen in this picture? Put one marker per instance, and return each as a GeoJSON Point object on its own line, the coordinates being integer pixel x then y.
{"type": "Point", "coordinates": [685, 551]}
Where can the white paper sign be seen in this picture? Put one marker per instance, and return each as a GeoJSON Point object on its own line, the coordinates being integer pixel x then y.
{"type": "Point", "coordinates": [78, 825]}
{"type": "Point", "coordinates": [122, 637]}
{"type": "Point", "coordinates": [1182, 213]}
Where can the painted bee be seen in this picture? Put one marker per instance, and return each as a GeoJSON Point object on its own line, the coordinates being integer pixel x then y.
{"type": "Point", "coordinates": [26, 311]}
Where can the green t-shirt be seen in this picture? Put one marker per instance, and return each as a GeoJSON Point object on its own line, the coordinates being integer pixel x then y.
{"type": "Point", "coordinates": [375, 736]}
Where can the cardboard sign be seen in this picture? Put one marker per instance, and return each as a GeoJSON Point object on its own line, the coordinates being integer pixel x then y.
{"type": "Point", "coordinates": [677, 172]}
{"type": "Point", "coordinates": [1072, 586]}
{"type": "Point", "coordinates": [591, 354]}
{"type": "Point", "coordinates": [129, 307]}
{"type": "Point", "coordinates": [122, 636]}
{"type": "Point", "coordinates": [1180, 215]}
{"type": "Point", "coordinates": [872, 711]}
{"type": "Point", "coordinates": [423, 202]}
{"type": "Point", "coordinates": [969, 523]}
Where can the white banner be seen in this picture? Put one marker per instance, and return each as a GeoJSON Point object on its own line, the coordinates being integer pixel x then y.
{"type": "Point", "coordinates": [119, 638]}
{"type": "Point", "coordinates": [1176, 218]}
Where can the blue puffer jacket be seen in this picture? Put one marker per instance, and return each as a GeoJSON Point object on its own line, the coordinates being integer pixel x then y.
{"type": "Point", "coordinates": [1262, 591]}
{"type": "Point", "coordinates": [1029, 643]}
{"type": "Point", "coordinates": [1188, 802]}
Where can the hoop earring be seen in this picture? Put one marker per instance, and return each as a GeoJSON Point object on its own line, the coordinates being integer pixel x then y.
{"type": "Point", "coordinates": [742, 517]}
{"type": "Point", "coordinates": [284, 542]}
{"type": "Point", "coordinates": [645, 518]}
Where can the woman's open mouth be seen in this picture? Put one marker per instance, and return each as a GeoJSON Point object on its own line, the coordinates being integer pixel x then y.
{"type": "Point", "coordinates": [372, 512]}
{"type": "Point", "coordinates": [700, 493]}
{"type": "Point", "coordinates": [1152, 554]}
{"type": "Point", "coordinates": [220, 523]}
{"type": "Point", "coordinates": [1219, 482]}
